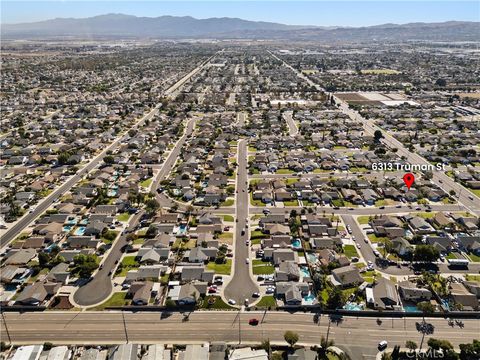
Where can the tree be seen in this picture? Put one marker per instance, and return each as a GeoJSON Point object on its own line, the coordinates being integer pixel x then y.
{"type": "Point", "coordinates": [377, 135]}
{"type": "Point", "coordinates": [108, 159]}
{"type": "Point", "coordinates": [426, 307]}
{"type": "Point", "coordinates": [470, 351]}
{"type": "Point", "coordinates": [336, 299]}
{"type": "Point", "coordinates": [85, 265]}
{"type": "Point", "coordinates": [437, 344]}
{"type": "Point", "coordinates": [152, 205]}
{"type": "Point", "coordinates": [426, 253]}
{"type": "Point", "coordinates": [291, 338]}
{"type": "Point", "coordinates": [441, 82]}
{"type": "Point", "coordinates": [411, 345]}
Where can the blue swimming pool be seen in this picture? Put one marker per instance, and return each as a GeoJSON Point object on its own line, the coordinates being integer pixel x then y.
{"type": "Point", "coordinates": [112, 192]}
{"type": "Point", "coordinates": [67, 228]}
{"type": "Point", "coordinates": [182, 230]}
{"type": "Point", "coordinates": [410, 308]}
{"type": "Point", "coordinates": [71, 221]}
{"type": "Point", "coordinates": [309, 299]}
{"type": "Point", "coordinates": [80, 230]}
{"type": "Point", "coordinates": [305, 272]}
{"type": "Point", "coordinates": [84, 222]}
{"type": "Point", "coordinates": [311, 258]}
{"type": "Point", "coordinates": [296, 243]}
{"type": "Point", "coordinates": [352, 306]}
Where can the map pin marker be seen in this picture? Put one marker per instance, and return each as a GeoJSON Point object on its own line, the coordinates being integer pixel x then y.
{"type": "Point", "coordinates": [408, 179]}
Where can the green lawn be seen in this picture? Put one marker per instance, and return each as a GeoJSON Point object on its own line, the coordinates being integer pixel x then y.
{"type": "Point", "coordinates": [130, 261]}
{"type": "Point", "coordinates": [218, 304]}
{"type": "Point", "coordinates": [473, 257]}
{"type": "Point", "coordinates": [257, 234]}
{"type": "Point", "coordinates": [263, 270]}
{"type": "Point", "coordinates": [117, 299]}
{"type": "Point", "coordinates": [350, 251]}
{"type": "Point", "coordinates": [267, 301]}
{"type": "Point", "coordinates": [472, 277]}
{"type": "Point", "coordinates": [284, 171]}
{"type": "Point", "coordinates": [146, 183]}
{"type": "Point", "coordinates": [222, 269]}
{"type": "Point", "coordinates": [424, 215]}
{"type": "Point", "coordinates": [374, 238]}
{"type": "Point", "coordinates": [260, 267]}
{"type": "Point", "coordinates": [451, 256]}
{"type": "Point", "coordinates": [255, 202]}
{"type": "Point", "coordinates": [475, 191]}
{"type": "Point", "coordinates": [228, 202]}
{"type": "Point", "coordinates": [226, 235]}
{"type": "Point", "coordinates": [123, 217]}
{"type": "Point", "coordinates": [291, 203]}
{"type": "Point", "coordinates": [363, 220]}
{"type": "Point", "coordinates": [228, 218]}
{"type": "Point", "coordinates": [291, 181]}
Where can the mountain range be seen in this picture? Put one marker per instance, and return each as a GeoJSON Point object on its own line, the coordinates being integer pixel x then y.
{"type": "Point", "coordinates": [176, 27]}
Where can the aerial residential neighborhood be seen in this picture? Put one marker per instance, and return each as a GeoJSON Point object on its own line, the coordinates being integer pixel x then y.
{"type": "Point", "coordinates": [261, 192]}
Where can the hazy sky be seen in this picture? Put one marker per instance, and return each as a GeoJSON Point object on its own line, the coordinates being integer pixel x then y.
{"type": "Point", "coordinates": [326, 13]}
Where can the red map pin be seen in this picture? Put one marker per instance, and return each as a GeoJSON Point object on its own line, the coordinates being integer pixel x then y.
{"type": "Point", "coordinates": [408, 179]}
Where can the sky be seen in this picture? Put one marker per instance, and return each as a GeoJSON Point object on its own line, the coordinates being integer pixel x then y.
{"type": "Point", "coordinates": [322, 13]}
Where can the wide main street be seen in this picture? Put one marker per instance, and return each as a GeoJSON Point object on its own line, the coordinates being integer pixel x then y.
{"type": "Point", "coordinates": [358, 336]}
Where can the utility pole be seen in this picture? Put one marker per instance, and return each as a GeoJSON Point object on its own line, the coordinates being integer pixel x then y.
{"type": "Point", "coordinates": [6, 328]}
{"type": "Point", "coordinates": [125, 326]}
{"type": "Point", "coordinates": [239, 327]}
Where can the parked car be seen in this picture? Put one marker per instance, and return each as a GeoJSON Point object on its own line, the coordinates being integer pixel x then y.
{"type": "Point", "coordinates": [253, 322]}
{"type": "Point", "coordinates": [231, 302]}
{"type": "Point", "coordinates": [382, 345]}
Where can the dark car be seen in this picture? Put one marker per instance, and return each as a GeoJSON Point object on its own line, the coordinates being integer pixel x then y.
{"type": "Point", "coordinates": [253, 322]}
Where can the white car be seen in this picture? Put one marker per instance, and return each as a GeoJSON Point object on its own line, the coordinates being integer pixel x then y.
{"type": "Point", "coordinates": [231, 302]}
{"type": "Point", "coordinates": [359, 246]}
{"type": "Point", "coordinates": [247, 261]}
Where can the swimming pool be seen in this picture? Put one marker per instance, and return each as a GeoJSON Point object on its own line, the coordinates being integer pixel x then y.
{"type": "Point", "coordinates": [84, 222]}
{"type": "Point", "coordinates": [80, 230]}
{"type": "Point", "coordinates": [71, 220]}
{"type": "Point", "coordinates": [182, 230]}
{"type": "Point", "coordinates": [311, 258]}
{"type": "Point", "coordinates": [67, 228]}
{"type": "Point", "coordinates": [112, 192]}
{"type": "Point", "coordinates": [296, 243]}
{"type": "Point", "coordinates": [410, 308]}
{"type": "Point", "coordinates": [352, 306]}
{"type": "Point", "coordinates": [309, 299]}
{"type": "Point", "coordinates": [305, 272]}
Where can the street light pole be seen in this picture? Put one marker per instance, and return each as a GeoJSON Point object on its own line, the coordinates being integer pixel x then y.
{"type": "Point", "coordinates": [6, 328]}
{"type": "Point", "coordinates": [239, 327]}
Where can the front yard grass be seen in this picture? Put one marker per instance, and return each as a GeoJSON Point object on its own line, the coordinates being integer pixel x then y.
{"type": "Point", "coordinates": [222, 269]}
{"type": "Point", "coordinates": [363, 220]}
{"type": "Point", "coordinates": [146, 183]}
{"type": "Point", "coordinates": [117, 299]}
{"type": "Point", "coordinates": [284, 171]}
{"type": "Point", "coordinates": [123, 217]}
{"type": "Point", "coordinates": [350, 251]}
{"type": "Point", "coordinates": [217, 304]}
{"type": "Point", "coordinates": [228, 218]}
{"type": "Point", "coordinates": [290, 203]}
{"type": "Point", "coordinates": [267, 302]}
{"type": "Point", "coordinates": [375, 239]}
{"type": "Point", "coordinates": [257, 234]}
{"type": "Point", "coordinates": [260, 267]}
{"type": "Point", "coordinates": [255, 202]}
{"type": "Point", "coordinates": [228, 202]}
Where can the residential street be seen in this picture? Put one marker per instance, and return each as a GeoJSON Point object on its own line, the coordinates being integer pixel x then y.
{"type": "Point", "coordinates": [242, 285]}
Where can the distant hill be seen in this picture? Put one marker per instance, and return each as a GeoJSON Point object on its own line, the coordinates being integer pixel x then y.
{"type": "Point", "coordinates": [175, 27]}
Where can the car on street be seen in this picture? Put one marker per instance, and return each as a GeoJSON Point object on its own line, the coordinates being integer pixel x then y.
{"type": "Point", "coordinates": [247, 261]}
{"type": "Point", "coordinates": [358, 245]}
{"type": "Point", "coordinates": [231, 302]}
{"type": "Point", "coordinates": [382, 345]}
{"type": "Point", "coordinates": [253, 322]}
{"type": "Point", "coordinates": [256, 295]}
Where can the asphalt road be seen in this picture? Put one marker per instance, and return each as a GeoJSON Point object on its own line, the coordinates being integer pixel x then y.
{"type": "Point", "coordinates": [292, 127]}
{"type": "Point", "coordinates": [358, 336]}
{"type": "Point", "coordinates": [100, 288]}
{"type": "Point", "coordinates": [173, 156]}
{"type": "Point", "coordinates": [241, 286]}
{"type": "Point", "coordinates": [66, 186]}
